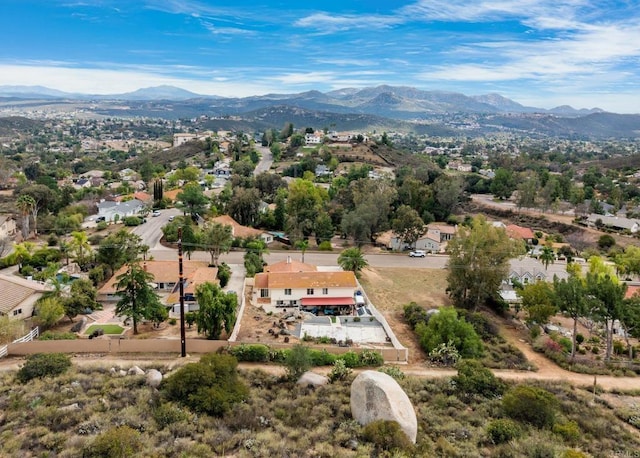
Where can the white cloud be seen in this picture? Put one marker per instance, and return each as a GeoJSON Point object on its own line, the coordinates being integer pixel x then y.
{"type": "Point", "coordinates": [332, 22]}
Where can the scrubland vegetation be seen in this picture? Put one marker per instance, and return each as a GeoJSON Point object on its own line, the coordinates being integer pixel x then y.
{"type": "Point", "coordinates": [91, 412]}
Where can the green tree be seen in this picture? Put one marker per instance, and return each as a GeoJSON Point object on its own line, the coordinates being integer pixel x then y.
{"type": "Point", "coordinates": [570, 298]}
{"type": "Point", "coordinates": [445, 327]}
{"type": "Point", "coordinates": [137, 297]}
{"type": "Point", "coordinates": [323, 228]}
{"type": "Point", "coordinates": [218, 239]}
{"type": "Point", "coordinates": [538, 301]}
{"type": "Point", "coordinates": [80, 247]}
{"type": "Point", "coordinates": [217, 310]}
{"type": "Point", "coordinates": [629, 316]}
{"type": "Point", "coordinates": [547, 256]}
{"type": "Point", "coordinates": [119, 248]}
{"type": "Point", "coordinates": [25, 204]}
{"type": "Point", "coordinates": [302, 245]}
{"type": "Point", "coordinates": [193, 198]}
{"type": "Point", "coordinates": [503, 184]}
{"type": "Point", "coordinates": [408, 225]}
{"type": "Point", "coordinates": [244, 206]}
{"type": "Point", "coordinates": [82, 298]}
{"type": "Point", "coordinates": [304, 202]}
{"type": "Point", "coordinates": [352, 259]}
{"type": "Point", "coordinates": [298, 361]}
{"type": "Point", "coordinates": [606, 294]}
{"type": "Point", "coordinates": [528, 187]}
{"type": "Point", "coordinates": [478, 263]}
{"type": "Point", "coordinates": [475, 379]}
{"type": "Point", "coordinates": [48, 310]}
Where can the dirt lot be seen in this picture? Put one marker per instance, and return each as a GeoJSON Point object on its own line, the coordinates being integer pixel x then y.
{"type": "Point", "coordinates": [390, 289]}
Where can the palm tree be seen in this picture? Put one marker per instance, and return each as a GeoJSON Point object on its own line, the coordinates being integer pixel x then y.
{"type": "Point", "coordinates": [547, 256]}
{"type": "Point", "coordinates": [352, 259]}
{"type": "Point", "coordinates": [302, 245]}
{"type": "Point", "coordinates": [80, 246]}
{"type": "Point", "coordinates": [25, 204]}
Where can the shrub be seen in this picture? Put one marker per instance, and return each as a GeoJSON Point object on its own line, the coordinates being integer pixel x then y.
{"type": "Point", "coordinates": [619, 348]}
{"type": "Point", "coordinates": [445, 327]}
{"type": "Point", "coordinates": [42, 365]}
{"type": "Point", "coordinates": [339, 371]}
{"type": "Point", "coordinates": [531, 405]}
{"type": "Point", "coordinates": [325, 246]}
{"type": "Point", "coordinates": [569, 431]}
{"type": "Point", "coordinates": [503, 430]}
{"type": "Point", "coordinates": [50, 335]}
{"type": "Point", "coordinates": [101, 226]}
{"type": "Point", "coordinates": [173, 321]}
{"type": "Point", "coordinates": [251, 353]}
{"type": "Point", "coordinates": [211, 386]}
{"type": "Point", "coordinates": [445, 353]}
{"type": "Point", "coordinates": [579, 339]}
{"type": "Point", "coordinates": [571, 453]}
{"type": "Point", "coordinates": [566, 344]}
{"type": "Point", "coordinates": [371, 358]}
{"type": "Point", "coordinates": [322, 358]}
{"type": "Point", "coordinates": [474, 378]}
{"type": "Point", "coordinates": [386, 435]}
{"type": "Point", "coordinates": [298, 361]}
{"type": "Point", "coordinates": [132, 221]}
{"type": "Point", "coordinates": [392, 371]}
{"type": "Point", "coordinates": [351, 359]}
{"type": "Point", "coordinates": [119, 442]}
{"type": "Point", "coordinates": [166, 414]}
{"type": "Point", "coordinates": [224, 274]}
{"type": "Point", "coordinates": [415, 314]}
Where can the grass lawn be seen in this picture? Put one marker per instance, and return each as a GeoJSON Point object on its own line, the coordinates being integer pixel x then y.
{"type": "Point", "coordinates": [107, 328]}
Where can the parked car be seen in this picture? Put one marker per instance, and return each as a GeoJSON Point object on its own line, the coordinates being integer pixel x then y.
{"type": "Point", "coordinates": [100, 219]}
{"type": "Point", "coordinates": [171, 218]}
{"type": "Point", "coordinates": [155, 213]}
{"type": "Point", "coordinates": [418, 254]}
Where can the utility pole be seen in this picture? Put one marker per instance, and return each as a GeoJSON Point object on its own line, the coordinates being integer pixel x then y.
{"type": "Point", "coordinates": [183, 339]}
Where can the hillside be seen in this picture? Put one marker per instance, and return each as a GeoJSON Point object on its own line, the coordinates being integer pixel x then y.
{"type": "Point", "coordinates": [68, 415]}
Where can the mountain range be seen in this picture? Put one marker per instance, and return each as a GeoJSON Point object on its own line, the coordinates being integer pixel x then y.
{"type": "Point", "coordinates": [382, 107]}
{"type": "Point", "coordinates": [398, 102]}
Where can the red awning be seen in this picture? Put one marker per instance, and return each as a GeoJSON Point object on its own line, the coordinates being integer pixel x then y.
{"type": "Point", "coordinates": [325, 301]}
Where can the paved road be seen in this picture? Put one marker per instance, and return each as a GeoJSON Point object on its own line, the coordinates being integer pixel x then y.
{"type": "Point", "coordinates": [315, 258]}
{"type": "Point", "coordinates": [266, 159]}
{"type": "Point", "coordinates": [151, 231]}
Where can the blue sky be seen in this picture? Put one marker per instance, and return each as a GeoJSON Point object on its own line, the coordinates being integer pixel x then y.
{"type": "Point", "coordinates": [541, 53]}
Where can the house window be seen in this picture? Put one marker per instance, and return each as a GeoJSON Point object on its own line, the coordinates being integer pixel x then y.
{"type": "Point", "coordinates": [325, 291]}
{"type": "Point", "coordinates": [310, 291]}
{"type": "Point", "coordinates": [264, 293]}
{"type": "Point", "coordinates": [287, 292]}
{"type": "Point", "coordinates": [17, 312]}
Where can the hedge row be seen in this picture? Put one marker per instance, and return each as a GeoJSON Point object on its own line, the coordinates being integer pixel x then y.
{"type": "Point", "coordinates": [264, 354]}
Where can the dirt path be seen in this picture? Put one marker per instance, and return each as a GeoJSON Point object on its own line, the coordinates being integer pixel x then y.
{"type": "Point", "coordinates": [548, 372]}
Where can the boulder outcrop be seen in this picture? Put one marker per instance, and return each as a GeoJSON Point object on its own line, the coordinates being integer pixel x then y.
{"type": "Point", "coordinates": [377, 396]}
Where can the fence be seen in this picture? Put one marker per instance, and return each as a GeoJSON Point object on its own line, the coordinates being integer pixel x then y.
{"type": "Point", "coordinates": [35, 332]}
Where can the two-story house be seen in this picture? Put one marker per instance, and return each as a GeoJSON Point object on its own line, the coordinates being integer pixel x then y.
{"type": "Point", "coordinates": [292, 285]}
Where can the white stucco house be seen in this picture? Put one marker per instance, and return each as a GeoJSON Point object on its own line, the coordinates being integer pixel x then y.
{"type": "Point", "coordinates": [109, 209]}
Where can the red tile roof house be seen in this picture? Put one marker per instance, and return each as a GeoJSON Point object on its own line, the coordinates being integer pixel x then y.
{"type": "Point", "coordinates": [243, 232]}
{"type": "Point", "coordinates": [165, 278]}
{"type": "Point", "coordinates": [520, 233]}
{"type": "Point", "coordinates": [294, 285]}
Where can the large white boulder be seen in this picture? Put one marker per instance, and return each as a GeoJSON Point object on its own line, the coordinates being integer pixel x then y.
{"type": "Point", "coordinates": [377, 396]}
{"type": "Point", "coordinates": [135, 370]}
{"type": "Point", "coordinates": [311, 378]}
{"type": "Point", "coordinates": [154, 378]}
